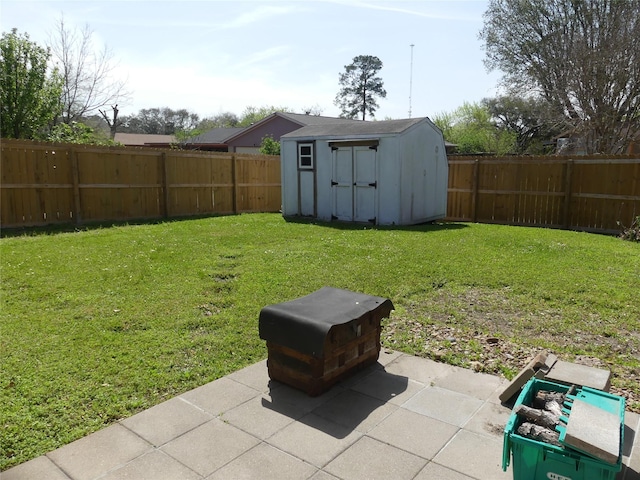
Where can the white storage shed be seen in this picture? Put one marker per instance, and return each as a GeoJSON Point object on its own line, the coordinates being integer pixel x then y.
{"type": "Point", "coordinates": [392, 172]}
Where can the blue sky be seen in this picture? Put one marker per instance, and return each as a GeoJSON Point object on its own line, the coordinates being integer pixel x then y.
{"type": "Point", "coordinates": [213, 56]}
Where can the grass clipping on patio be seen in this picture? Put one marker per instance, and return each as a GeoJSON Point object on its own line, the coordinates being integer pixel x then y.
{"type": "Point", "coordinates": [98, 324]}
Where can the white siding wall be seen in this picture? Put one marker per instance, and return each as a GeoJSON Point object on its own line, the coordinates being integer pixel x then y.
{"type": "Point", "coordinates": [388, 181]}
{"type": "Point", "coordinates": [289, 177]}
{"type": "Point", "coordinates": [323, 180]}
{"type": "Point", "coordinates": [423, 175]}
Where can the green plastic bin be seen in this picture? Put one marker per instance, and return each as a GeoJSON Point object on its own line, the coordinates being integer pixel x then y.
{"type": "Point", "coordinates": [533, 460]}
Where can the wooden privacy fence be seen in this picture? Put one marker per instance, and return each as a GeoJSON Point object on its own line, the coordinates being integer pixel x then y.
{"type": "Point", "coordinates": [590, 193]}
{"type": "Point", "coordinates": [44, 183]}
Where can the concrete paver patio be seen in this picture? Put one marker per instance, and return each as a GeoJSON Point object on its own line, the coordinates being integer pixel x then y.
{"type": "Point", "coordinates": [403, 418]}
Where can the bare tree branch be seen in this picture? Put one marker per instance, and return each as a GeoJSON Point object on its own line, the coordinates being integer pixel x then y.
{"type": "Point", "coordinates": [113, 122]}
{"type": "Point", "coordinates": [88, 75]}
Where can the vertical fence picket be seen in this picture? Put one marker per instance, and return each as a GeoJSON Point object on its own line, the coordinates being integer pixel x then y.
{"type": "Point", "coordinates": [566, 212]}
{"type": "Point", "coordinates": [75, 173]}
{"type": "Point", "coordinates": [234, 188]}
{"type": "Point", "coordinates": [474, 191]}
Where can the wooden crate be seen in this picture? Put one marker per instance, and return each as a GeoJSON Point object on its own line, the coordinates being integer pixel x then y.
{"type": "Point", "coordinates": [348, 346]}
{"type": "Point", "coordinates": [343, 356]}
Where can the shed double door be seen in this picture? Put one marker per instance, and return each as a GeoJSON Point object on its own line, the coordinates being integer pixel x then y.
{"type": "Point", "coordinates": [354, 183]}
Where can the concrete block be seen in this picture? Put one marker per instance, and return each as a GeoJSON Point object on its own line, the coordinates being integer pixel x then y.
{"type": "Point", "coordinates": [475, 455]}
{"type": "Point", "coordinates": [40, 467]}
{"type": "Point", "coordinates": [355, 410]}
{"type": "Point", "coordinates": [393, 389]}
{"type": "Point", "coordinates": [474, 384]}
{"type": "Point", "coordinates": [166, 421]}
{"type": "Point", "coordinates": [444, 405]}
{"type": "Point", "coordinates": [314, 439]}
{"type": "Point", "coordinates": [369, 459]}
{"type": "Point", "coordinates": [256, 418]}
{"type": "Point", "coordinates": [152, 466]}
{"type": "Point", "coordinates": [266, 463]}
{"type": "Point", "coordinates": [210, 446]}
{"type": "Point", "coordinates": [568, 373]}
{"type": "Point", "coordinates": [550, 361]}
{"type": "Point", "coordinates": [422, 370]}
{"type": "Point", "coordinates": [220, 395]}
{"type": "Point", "coordinates": [593, 431]}
{"type": "Point", "coordinates": [94, 455]}
{"type": "Point", "coordinates": [516, 384]}
{"type": "Point", "coordinates": [414, 433]}
{"type": "Point", "coordinates": [523, 377]}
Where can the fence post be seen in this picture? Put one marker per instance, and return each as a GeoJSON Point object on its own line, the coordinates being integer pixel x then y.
{"type": "Point", "coordinates": [75, 173]}
{"type": "Point", "coordinates": [474, 191]}
{"type": "Point", "coordinates": [164, 210]}
{"type": "Point", "coordinates": [234, 176]}
{"type": "Point", "coordinates": [566, 211]}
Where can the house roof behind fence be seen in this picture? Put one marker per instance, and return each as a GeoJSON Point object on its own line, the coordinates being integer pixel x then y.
{"type": "Point", "coordinates": [142, 139]}
{"type": "Point", "coordinates": [301, 119]}
{"type": "Point", "coordinates": [215, 136]}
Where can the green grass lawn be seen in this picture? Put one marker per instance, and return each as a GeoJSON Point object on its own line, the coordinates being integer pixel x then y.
{"type": "Point", "coordinates": [101, 323]}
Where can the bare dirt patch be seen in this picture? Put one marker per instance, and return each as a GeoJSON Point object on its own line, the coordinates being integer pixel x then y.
{"type": "Point", "coordinates": [494, 333]}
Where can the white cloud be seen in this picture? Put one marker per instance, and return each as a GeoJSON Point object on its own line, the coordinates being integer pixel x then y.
{"type": "Point", "coordinates": [263, 57]}
{"type": "Point", "coordinates": [434, 11]}
{"type": "Point", "coordinates": [258, 15]}
{"type": "Point", "coordinates": [192, 86]}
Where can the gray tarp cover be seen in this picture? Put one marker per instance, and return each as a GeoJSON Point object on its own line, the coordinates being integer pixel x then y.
{"type": "Point", "coordinates": [303, 324]}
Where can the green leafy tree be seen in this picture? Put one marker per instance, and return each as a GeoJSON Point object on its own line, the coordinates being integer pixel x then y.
{"type": "Point", "coordinates": [159, 121]}
{"type": "Point", "coordinates": [76, 132]}
{"type": "Point", "coordinates": [269, 146]}
{"type": "Point", "coordinates": [360, 86]}
{"type": "Point", "coordinates": [583, 57]}
{"type": "Point", "coordinates": [532, 119]}
{"type": "Point", "coordinates": [252, 114]}
{"type": "Point", "coordinates": [183, 136]}
{"type": "Point", "coordinates": [221, 120]}
{"type": "Point", "coordinates": [471, 128]}
{"type": "Point", "coordinates": [29, 95]}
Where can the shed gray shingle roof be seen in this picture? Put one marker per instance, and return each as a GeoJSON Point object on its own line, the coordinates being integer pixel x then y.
{"type": "Point", "coordinates": [305, 119]}
{"type": "Point", "coordinates": [347, 127]}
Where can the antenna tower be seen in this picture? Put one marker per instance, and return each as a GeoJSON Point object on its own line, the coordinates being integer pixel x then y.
{"type": "Point", "coordinates": [410, 79]}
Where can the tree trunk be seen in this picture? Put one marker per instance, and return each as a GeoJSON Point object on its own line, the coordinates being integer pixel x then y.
{"type": "Point", "coordinates": [113, 124]}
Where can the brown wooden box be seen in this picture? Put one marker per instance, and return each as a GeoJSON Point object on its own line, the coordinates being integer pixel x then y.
{"type": "Point", "coordinates": [332, 334]}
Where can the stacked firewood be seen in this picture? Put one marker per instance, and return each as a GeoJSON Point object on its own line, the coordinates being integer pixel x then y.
{"type": "Point", "coordinates": [541, 419]}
